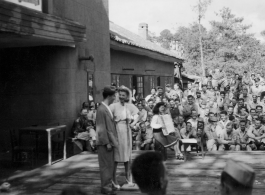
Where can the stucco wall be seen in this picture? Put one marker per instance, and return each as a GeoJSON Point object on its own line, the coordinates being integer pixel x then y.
{"type": "Point", "coordinates": [48, 84]}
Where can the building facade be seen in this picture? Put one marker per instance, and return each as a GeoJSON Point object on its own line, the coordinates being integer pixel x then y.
{"type": "Point", "coordinates": [138, 63]}
{"type": "Point", "coordinates": [51, 60]}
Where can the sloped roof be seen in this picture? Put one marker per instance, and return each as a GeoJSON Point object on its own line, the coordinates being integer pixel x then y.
{"type": "Point", "coordinates": [189, 76]}
{"type": "Point", "coordinates": [124, 36]}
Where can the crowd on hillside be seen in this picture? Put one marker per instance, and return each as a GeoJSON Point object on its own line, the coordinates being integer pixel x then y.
{"type": "Point", "coordinates": [225, 113]}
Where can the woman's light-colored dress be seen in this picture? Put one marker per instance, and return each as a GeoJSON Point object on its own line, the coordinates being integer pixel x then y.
{"type": "Point", "coordinates": [122, 117]}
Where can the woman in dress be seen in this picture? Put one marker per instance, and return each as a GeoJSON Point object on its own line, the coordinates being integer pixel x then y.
{"type": "Point", "coordinates": [166, 141]}
{"type": "Point", "coordinates": [123, 112]}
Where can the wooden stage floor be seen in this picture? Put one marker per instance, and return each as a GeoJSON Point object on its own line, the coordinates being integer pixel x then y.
{"type": "Point", "coordinates": [196, 176]}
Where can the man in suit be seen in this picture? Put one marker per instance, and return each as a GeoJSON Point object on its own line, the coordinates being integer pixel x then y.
{"type": "Point", "coordinates": [107, 139]}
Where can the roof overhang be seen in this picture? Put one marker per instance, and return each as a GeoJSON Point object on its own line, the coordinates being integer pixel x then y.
{"type": "Point", "coordinates": [24, 27]}
{"type": "Point", "coordinates": [143, 52]}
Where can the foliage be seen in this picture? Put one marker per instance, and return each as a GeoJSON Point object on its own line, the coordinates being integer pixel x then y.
{"type": "Point", "coordinates": [227, 45]}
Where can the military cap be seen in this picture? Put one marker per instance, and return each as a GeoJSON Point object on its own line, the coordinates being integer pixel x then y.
{"type": "Point", "coordinates": [241, 172]}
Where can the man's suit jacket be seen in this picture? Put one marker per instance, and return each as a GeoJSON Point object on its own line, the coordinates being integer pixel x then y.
{"type": "Point", "coordinates": [105, 127]}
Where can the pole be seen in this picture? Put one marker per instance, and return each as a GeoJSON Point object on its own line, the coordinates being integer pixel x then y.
{"type": "Point", "coordinates": [200, 32]}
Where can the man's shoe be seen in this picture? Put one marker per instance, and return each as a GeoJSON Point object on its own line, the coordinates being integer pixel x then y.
{"type": "Point", "coordinates": [108, 192]}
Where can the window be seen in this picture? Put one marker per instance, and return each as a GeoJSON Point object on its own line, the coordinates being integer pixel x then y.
{"type": "Point", "coordinates": [140, 86]}
{"type": "Point", "coordinates": [115, 79]}
{"type": "Point", "coordinates": [152, 82]}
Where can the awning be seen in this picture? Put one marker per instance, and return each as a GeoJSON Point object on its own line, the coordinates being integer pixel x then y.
{"type": "Point", "coordinates": [24, 27]}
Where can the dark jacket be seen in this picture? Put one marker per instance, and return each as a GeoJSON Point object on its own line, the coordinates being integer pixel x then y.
{"type": "Point", "coordinates": [105, 127]}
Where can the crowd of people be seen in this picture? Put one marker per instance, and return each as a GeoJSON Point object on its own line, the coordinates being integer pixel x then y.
{"type": "Point", "coordinates": [223, 114]}
{"type": "Point", "coordinates": [231, 110]}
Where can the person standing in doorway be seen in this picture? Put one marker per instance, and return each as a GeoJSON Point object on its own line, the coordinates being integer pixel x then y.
{"type": "Point", "coordinates": [107, 140]}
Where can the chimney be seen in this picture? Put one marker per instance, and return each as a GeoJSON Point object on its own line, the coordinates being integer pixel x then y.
{"type": "Point", "coordinates": [143, 30]}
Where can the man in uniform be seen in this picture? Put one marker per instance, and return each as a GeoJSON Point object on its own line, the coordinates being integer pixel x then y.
{"type": "Point", "coordinates": [107, 139]}
{"type": "Point", "coordinates": [256, 133]}
{"type": "Point", "coordinates": [144, 139]}
{"type": "Point", "coordinates": [214, 134]}
{"type": "Point", "coordinates": [231, 138]}
{"type": "Point", "coordinates": [243, 136]}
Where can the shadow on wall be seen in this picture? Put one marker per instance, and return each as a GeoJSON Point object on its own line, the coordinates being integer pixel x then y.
{"type": "Point", "coordinates": [39, 85]}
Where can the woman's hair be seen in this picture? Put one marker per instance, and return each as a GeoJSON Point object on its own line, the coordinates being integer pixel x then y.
{"type": "Point", "coordinates": [125, 90]}
{"type": "Point", "coordinates": [157, 106]}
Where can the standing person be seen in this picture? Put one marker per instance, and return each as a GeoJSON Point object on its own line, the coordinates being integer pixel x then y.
{"type": "Point", "coordinates": [189, 91]}
{"type": "Point", "coordinates": [123, 113]}
{"type": "Point", "coordinates": [188, 107]}
{"type": "Point", "coordinates": [106, 139]}
{"type": "Point", "coordinates": [158, 126]}
{"type": "Point", "coordinates": [170, 93]}
{"type": "Point", "coordinates": [178, 90]}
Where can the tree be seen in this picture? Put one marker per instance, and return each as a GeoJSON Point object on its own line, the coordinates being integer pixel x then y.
{"type": "Point", "coordinates": [165, 39]}
{"type": "Point", "coordinates": [227, 45]}
{"type": "Point", "coordinates": [201, 9]}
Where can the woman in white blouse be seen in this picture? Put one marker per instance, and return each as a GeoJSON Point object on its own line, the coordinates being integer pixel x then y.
{"type": "Point", "coordinates": [161, 139]}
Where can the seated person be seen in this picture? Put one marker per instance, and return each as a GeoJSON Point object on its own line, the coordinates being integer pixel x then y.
{"type": "Point", "coordinates": [144, 139]}
{"type": "Point", "coordinates": [256, 134]}
{"type": "Point", "coordinates": [142, 113]}
{"type": "Point", "coordinates": [91, 115]}
{"type": "Point", "coordinates": [189, 133]}
{"type": "Point", "coordinates": [244, 141]}
{"type": "Point", "coordinates": [234, 121]}
{"type": "Point", "coordinates": [84, 133]}
{"type": "Point", "coordinates": [224, 119]}
{"type": "Point", "coordinates": [149, 173]}
{"type": "Point", "coordinates": [231, 138]}
{"type": "Point", "coordinates": [179, 123]}
{"type": "Point", "coordinates": [214, 134]}
{"type": "Point", "coordinates": [194, 119]}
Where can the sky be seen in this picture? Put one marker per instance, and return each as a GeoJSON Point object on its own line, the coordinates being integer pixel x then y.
{"type": "Point", "coordinates": [170, 14]}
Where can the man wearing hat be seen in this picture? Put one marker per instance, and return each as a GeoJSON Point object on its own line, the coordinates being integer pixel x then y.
{"type": "Point", "coordinates": [214, 134]}
{"type": "Point", "coordinates": [107, 139]}
{"type": "Point", "coordinates": [237, 179]}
